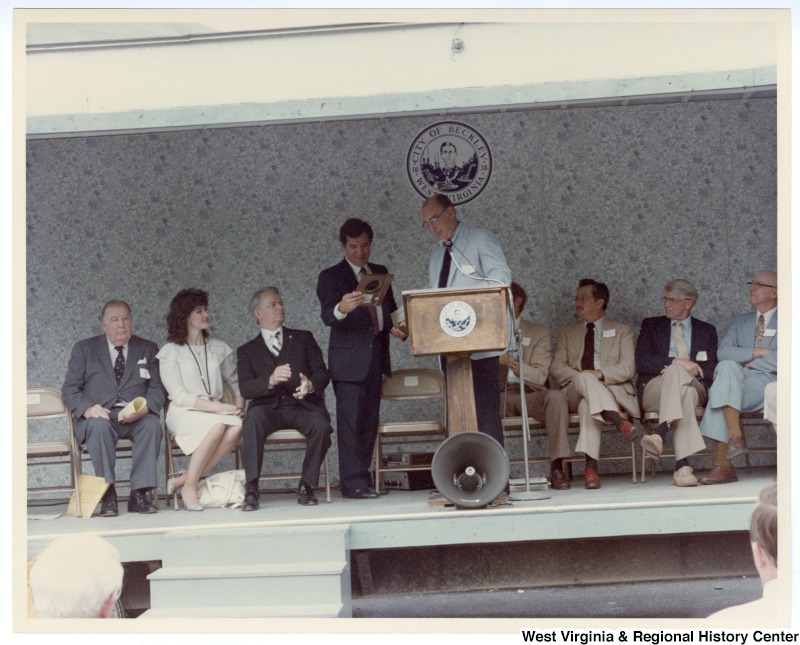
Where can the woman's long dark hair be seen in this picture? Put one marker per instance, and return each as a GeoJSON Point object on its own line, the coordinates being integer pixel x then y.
{"type": "Point", "coordinates": [181, 307]}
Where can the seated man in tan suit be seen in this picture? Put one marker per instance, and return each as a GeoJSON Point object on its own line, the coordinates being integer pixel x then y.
{"type": "Point", "coordinates": [594, 363]}
{"type": "Point", "coordinates": [542, 403]}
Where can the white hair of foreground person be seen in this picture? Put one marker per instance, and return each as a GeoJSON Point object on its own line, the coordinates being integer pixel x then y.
{"type": "Point", "coordinates": [76, 576]}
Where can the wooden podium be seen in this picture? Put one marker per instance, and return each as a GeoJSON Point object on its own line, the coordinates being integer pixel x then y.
{"type": "Point", "coordinates": [456, 323]}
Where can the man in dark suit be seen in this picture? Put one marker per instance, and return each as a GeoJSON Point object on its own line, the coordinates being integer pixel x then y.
{"type": "Point", "coordinates": [104, 374]}
{"type": "Point", "coordinates": [358, 355]}
{"type": "Point", "coordinates": [282, 372]}
{"type": "Point", "coordinates": [676, 355]}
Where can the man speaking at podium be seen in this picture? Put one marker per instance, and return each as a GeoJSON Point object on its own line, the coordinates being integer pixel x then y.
{"type": "Point", "coordinates": [469, 257]}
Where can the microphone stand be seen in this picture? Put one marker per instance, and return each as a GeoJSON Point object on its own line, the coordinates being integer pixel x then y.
{"type": "Point", "coordinates": [527, 495]}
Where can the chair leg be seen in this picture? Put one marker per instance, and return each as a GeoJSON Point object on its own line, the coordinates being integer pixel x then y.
{"type": "Point", "coordinates": [74, 473]}
{"type": "Point", "coordinates": [378, 460]}
{"type": "Point", "coordinates": [644, 464]}
{"type": "Point", "coordinates": [77, 471]}
{"type": "Point", "coordinates": [170, 466]}
{"type": "Point", "coordinates": [747, 468]}
{"type": "Point", "coordinates": [327, 480]}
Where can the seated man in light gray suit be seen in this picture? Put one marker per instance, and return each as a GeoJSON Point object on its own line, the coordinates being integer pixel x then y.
{"type": "Point", "coordinates": [748, 361]}
{"type": "Point", "coordinates": [105, 373]}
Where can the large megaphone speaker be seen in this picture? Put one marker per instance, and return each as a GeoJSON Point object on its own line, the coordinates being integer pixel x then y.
{"type": "Point", "coordinates": [470, 469]}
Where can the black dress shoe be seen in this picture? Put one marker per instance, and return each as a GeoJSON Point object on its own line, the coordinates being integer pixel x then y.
{"type": "Point", "coordinates": [362, 493]}
{"type": "Point", "coordinates": [109, 507]}
{"type": "Point", "coordinates": [305, 495]}
{"type": "Point", "coordinates": [138, 502]}
{"type": "Point", "coordinates": [250, 496]}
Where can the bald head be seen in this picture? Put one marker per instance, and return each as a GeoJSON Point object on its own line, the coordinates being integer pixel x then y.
{"type": "Point", "coordinates": [439, 215]}
{"type": "Point", "coordinates": [764, 290]}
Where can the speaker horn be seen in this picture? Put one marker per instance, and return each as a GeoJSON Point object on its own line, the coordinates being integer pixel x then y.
{"type": "Point", "coordinates": [470, 469]}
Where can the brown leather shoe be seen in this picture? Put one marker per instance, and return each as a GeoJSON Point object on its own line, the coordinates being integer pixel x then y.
{"type": "Point", "coordinates": [736, 447]}
{"type": "Point", "coordinates": [591, 479]}
{"type": "Point", "coordinates": [627, 429]}
{"type": "Point", "coordinates": [720, 475]}
{"type": "Point", "coordinates": [558, 480]}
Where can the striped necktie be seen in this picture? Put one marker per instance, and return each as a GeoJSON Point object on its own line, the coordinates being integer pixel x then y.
{"type": "Point", "coordinates": [276, 344]}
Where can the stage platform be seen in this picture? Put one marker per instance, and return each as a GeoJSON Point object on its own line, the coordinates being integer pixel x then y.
{"type": "Point", "coordinates": [221, 542]}
{"type": "Point", "coordinates": [403, 518]}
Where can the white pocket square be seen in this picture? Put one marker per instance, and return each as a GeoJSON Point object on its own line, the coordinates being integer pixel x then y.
{"type": "Point", "coordinates": [142, 361]}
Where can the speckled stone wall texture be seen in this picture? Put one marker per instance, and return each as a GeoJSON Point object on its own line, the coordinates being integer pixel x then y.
{"type": "Point", "coordinates": [632, 196]}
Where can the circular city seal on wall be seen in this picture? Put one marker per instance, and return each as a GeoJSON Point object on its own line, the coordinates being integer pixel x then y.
{"type": "Point", "coordinates": [451, 158]}
{"type": "Point", "coordinates": [457, 318]}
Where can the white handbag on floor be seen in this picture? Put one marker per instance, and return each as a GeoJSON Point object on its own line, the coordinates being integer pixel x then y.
{"type": "Point", "coordinates": [225, 489]}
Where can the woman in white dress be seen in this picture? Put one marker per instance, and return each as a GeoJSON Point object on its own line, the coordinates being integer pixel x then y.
{"type": "Point", "coordinates": [193, 368]}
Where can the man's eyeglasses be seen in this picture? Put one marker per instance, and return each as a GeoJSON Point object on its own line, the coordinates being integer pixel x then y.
{"type": "Point", "coordinates": [759, 285]}
{"type": "Point", "coordinates": [672, 301]}
{"type": "Point", "coordinates": [431, 221]}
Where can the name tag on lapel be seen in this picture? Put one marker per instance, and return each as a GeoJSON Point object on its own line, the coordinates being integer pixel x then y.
{"type": "Point", "coordinates": [144, 372]}
{"type": "Point", "coordinates": [609, 333]}
{"type": "Point", "coordinates": [526, 341]}
{"type": "Point", "coordinates": [769, 333]}
{"type": "Point", "coordinates": [701, 356]}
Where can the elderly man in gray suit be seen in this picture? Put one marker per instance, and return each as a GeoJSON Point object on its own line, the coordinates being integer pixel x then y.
{"type": "Point", "coordinates": [748, 361]}
{"type": "Point", "coordinates": [104, 374]}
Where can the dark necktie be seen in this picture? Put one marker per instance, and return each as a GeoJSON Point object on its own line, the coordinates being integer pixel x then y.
{"type": "Point", "coordinates": [445, 271]}
{"type": "Point", "coordinates": [119, 364]}
{"type": "Point", "coordinates": [372, 310]}
{"type": "Point", "coordinates": [587, 360]}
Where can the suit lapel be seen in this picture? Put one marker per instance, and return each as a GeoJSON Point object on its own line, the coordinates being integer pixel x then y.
{"type": "Point", "coordinates": [347, 275]}
{"type": "Point", "coordinates": [131, 361]}
{"type": "Point", "coordinates": [607, 342]}
{"type": "Point", "coordinates": [264, 356]}
{"type": "Point", "coordinates": [104, 357]}
{"type": "Point", "coordinates": [527, 350]}
{"type": "Point", "coordinates": [289, 341]}
{"type": "Point", "coordinates": [665, 337]}
{"type": "Point", "coordinates": [769, 341]}
{"type": "Point", "coordinates": [577, 341]}
{"type": "Point", "coordinates": [697, 344]}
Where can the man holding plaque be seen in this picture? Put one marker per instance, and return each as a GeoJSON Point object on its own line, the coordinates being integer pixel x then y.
{"type": "Point", "coordinates": [358, 351]}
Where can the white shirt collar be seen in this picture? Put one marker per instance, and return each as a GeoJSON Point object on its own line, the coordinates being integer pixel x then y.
{"type": "Point", "coordinates": [598, 324]}
{"type": "Point", "coordinates": [267, 334]}
{"type": "Point", "coordinates": [357, 269]}
{"type": "Point", "coordinates": [112, 351]}
{"type": "Point", "coordinates": [767, 315]}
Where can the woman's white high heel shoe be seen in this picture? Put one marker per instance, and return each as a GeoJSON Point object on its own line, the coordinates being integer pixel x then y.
{"type": "Point", "coordinates": [191, 507]}
{"type": "Point", "coordinates": [171, 482]}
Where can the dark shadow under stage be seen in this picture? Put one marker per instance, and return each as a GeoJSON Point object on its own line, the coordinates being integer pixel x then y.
{"type": "Point", "coordinates": [315, 559]}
